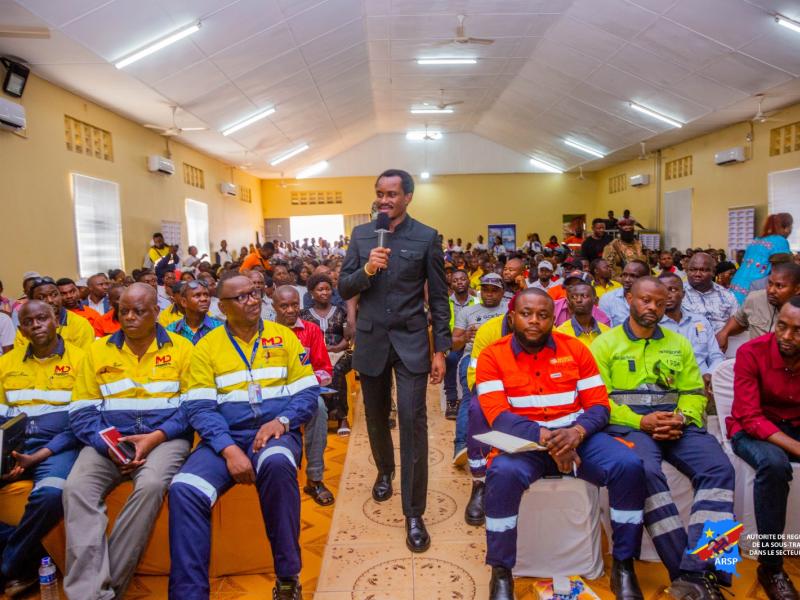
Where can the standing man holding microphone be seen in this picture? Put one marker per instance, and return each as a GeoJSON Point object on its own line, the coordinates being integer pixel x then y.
{"type": "Point", "coordinates": [387, 265]}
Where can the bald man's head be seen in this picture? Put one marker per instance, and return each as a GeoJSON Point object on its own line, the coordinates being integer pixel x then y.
{"type": "Point", "coordinates": [286, 303]}
{"type": "Point", "coordinates": [701, 270]}
{"type": "Point", "coordinates": [138, 312]}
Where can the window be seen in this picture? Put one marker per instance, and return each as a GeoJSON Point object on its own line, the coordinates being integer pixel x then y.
{"type": "Point", "coordinates": [197, 225]}
{"type": "Point", "coordinates": [327, 227]}
{"type": "Point", "coordinates": [98, 226]}
{"type": "Point", "coordinates": [784, 189]}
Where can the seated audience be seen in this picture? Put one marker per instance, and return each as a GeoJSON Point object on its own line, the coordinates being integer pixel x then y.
{"type": "Point", "coordinates": [287, 312]}
{"type": "Point", "coordinates": [249, 366]}
{"type": "Point", "coordinates": [132, 380]}
{"type": "Point", "coordinates": [74, 329]}
{"type": "Point", "coordinates": [666, 264]}
{"type": "Point", "coordinates": [332, 320]}
{"type": "Point", "coordinates": [563, 309]}
{"type": "Point", "coordinates": [545, 280]}
{"type": "Point", "coordinates": [703, 296]}
{"type": "Point", "coordinates": [513, 383]}
{"type": "Point", "coordinates": [764, 428]}
{"type": "Point", "coordinates": [615, 303]}
{"type": "Point", "coordinates": [37, 380]}
{"type": "Point", "coordinates": [194, 301]}
{"type": "Point", "coordinates": [758, 315]}
{"type": "Point", "coordinates": [657, 405]}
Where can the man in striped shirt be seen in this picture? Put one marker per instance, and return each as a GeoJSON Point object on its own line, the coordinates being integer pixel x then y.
{"type": "Point", "coordinates": [544, 386]}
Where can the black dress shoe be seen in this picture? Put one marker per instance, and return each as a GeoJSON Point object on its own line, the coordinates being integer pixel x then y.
{"type": "Point", "coordinates": [417, 538]}
{"type": "Point", "coordinates": [382, 489]}
{"type": "Point", "coordinates": [501, 587]}
{"type": "Point", "coordinates": [474, 514]}
{"type": "Point", "coordinates": [623, 581]}
{"type": "Point", "coordinates": [776, 584]}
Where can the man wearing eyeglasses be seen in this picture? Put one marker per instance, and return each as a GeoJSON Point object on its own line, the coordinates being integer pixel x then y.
{"type": "Point", "coordinates": [194, 299]}
{"type": "Point", "coordinates": [251, 388]}
{"type": "Point", "coordinates": [73, 328]}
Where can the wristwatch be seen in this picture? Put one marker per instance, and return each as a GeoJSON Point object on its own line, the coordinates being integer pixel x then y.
{"type": "Point", "coordinates": [285, 422]}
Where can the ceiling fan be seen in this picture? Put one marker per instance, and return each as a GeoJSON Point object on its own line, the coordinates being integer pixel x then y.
{"type": "Point", "coordinates": [174, 130]}
{"type": "Point", "coordinates": [283, 183]}
{"type": "Point", "coordinates": [761, 116]}
{"type": "Point", "coordinates": [462, 38]}
{"type": "Point", "coordinates": [445, 105]}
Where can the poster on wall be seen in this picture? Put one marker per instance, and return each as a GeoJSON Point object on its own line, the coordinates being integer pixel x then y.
{"type": "Point", "coordinates": [171, 230]}
{"type": "Point", "coordinates": [508, 233]}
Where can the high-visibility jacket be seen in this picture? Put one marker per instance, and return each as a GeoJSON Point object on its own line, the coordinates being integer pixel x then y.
{"type": "Point", "coordinates": [169, 315]}
{"type": "Point", "coordinates": [558, 386]}
{"type": "Point", "coordinates": [587, 336]}
{"type": "Point", "coordinates": [42, 389]}
{"type": "Point", "coordinates": [117, 388]}
{"type": "Point", "coordinates": [470, 301]}
{"type": "Point", "coordinates": [218, 402]}
{"type": "Point", "coordinates": [643, 375]}
{"type": "Point", "coordinates": [73, 328]}
{"type": "Point", "coordinates": [488, 333]}
{"type": "Point", "coordinates": [92, 316]}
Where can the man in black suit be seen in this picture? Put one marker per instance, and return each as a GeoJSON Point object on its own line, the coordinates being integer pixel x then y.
{"type": "Point", "coordinates": [392, 335]}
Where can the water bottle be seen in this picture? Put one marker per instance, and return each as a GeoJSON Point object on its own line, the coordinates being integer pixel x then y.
{"type": "Point", "coordinates": [48, 581]}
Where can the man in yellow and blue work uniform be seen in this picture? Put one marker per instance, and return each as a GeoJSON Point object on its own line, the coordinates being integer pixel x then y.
{"type": "Point", "coordinates": [544, 386]}
{"type": "Point", "coordinates": [73, 328]}
{"type": "Point", "coordinates": [251, 388]}
{"type": "Point", "coordinates": [134, 381]}
{"type": "Point", "coordinates": [657, 404]}
{"type": "Point", "coordinates": [37, 380]}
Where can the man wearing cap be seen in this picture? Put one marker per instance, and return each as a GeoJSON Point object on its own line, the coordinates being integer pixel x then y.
{"type": "Point", "coordinates": [469, 320]}
{"type": "Point", "coordinates": [625, 249]}
{"type": "Point", "coordinates": [545, 280]}
{"type": "Point", "coordinates": [74, 329]}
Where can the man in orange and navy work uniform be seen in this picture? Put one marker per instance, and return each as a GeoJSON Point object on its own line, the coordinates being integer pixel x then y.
{"type": "Point", "coordinates": [545, 387]}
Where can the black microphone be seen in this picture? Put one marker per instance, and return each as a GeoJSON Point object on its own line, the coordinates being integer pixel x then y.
{"type": "Point", "coordinates": [382, 228]}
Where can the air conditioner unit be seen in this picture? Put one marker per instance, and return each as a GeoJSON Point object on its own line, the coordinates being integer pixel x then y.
{"type": "Point", "coordinates": [640, 180]}
{"type": "Point", "coordinates": [12, 115]}
{"type": "Point", "coordinates": [160, 164]}
{"type": "Point", "coordinates": [730, 156]}
{"type": "Point", "coordinates": [228, 189]}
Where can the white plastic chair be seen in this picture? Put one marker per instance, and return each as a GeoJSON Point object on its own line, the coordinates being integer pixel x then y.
{"type": "Point", "coordinates": [559, 530]}
{"type": "Point", "coordinates": [722, 382]}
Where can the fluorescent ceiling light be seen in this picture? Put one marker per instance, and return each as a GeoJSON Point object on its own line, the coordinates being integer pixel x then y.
{"type": "Point", "coordinates": [163, 43]}
{"type": "Point", "coordinates": [446, 61]}
{"type": "Point", "coordinates": [418, 136]}
{"type": "Point", "coordinates": [545, 166]}
{"type": "Point", "coordinates": [788, 23]}
{"type": "Point", "coordinates": [248, 121]}
{"type": "Point", "coordinates": [651, 113]}
{"type": "Point", "coordinates": [431, 111]}
{"type": "Point", "coordinates": [312, 170]}
{"type": "Point", "coordinates": [425, 175]}
{"type": "Point", "coordinates": [289, 154]}
{"type": "Point", "coordinates": [585, 149]}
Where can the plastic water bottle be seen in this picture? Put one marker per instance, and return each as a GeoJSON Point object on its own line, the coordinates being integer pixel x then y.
{"type": "Point", "coordinates": [48, 581]}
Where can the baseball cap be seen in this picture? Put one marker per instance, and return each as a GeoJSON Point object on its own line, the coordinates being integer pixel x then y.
{"type": "Point", "coordinates": [575, 277]}
{"type": "Point", "coordinates": [492, 279]}
{"type": "Point", "coordinates": [545, 264]}
{"type": "Point", "coordinates": [29, 275]}
{"type": "Point", "coordinates": [81, 283]}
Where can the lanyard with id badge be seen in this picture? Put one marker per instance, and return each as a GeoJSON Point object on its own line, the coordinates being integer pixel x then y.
{"type": "Point", "coordinates": [253, 388]}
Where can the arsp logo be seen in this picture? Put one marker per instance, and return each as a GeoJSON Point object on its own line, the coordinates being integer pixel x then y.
{"type": "Point", "coordinates": [62, 370]}
{"type": "Point", "coordinates": [162, 361]}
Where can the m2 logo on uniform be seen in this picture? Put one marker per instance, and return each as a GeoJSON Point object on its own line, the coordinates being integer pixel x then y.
{"type": "Point", "coordinates": [62, 370]}
{"type": "Point", "coordinates": [163, 361]}
{"type": "Point", "coordinates": [272, 342]}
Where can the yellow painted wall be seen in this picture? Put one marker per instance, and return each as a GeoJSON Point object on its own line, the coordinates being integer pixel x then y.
{"type": "Point", "coordinates": [456, 205]}
{"type": "Point", "coordinates": [37, 226]}
{"type": "Point", "coordinates": [715, 188]}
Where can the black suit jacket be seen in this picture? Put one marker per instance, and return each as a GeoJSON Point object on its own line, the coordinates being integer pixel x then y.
{"type": "Point", "coordinates": [391, 305]}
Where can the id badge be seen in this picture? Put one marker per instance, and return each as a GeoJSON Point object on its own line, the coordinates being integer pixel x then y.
{"type": "Point", "coordinates": [254, 393]}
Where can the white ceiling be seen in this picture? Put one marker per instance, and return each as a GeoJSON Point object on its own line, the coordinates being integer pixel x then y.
{"type": "Point", "coordinates": [341, 71]}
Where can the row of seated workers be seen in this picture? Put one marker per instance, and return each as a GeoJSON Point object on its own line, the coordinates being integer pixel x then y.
{"type": "Point", "coordinates": [608, 406]}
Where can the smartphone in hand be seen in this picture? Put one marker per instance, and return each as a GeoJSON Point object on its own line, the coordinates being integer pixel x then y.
{"type": "Point", "coordinates": [124, 451]}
